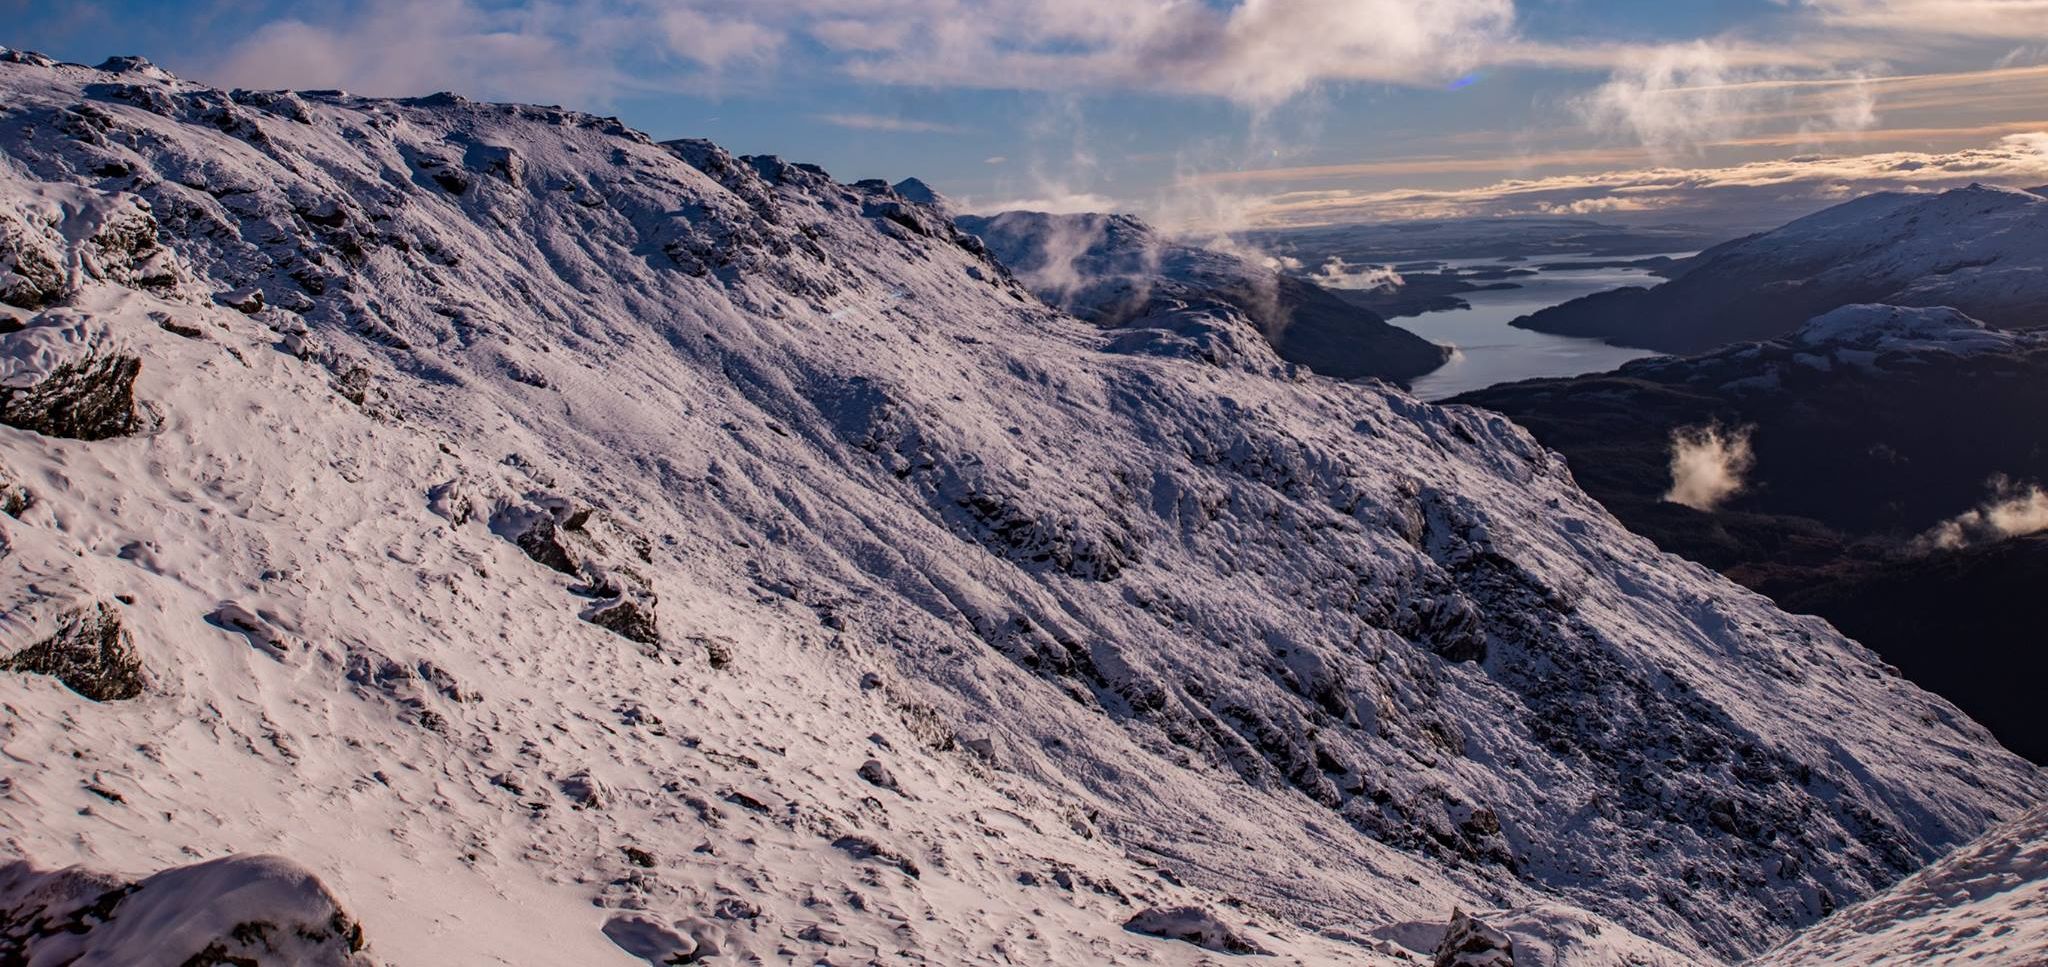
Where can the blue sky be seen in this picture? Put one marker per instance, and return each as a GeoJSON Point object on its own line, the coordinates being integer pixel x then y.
{"type": "Point", "coordinates": [1205, 112]}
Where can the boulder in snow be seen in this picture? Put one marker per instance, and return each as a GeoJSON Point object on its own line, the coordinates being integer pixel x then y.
{"type": "Point", "coordinates": [1471, 943]}
{"type": "Point", "coordinates": [1194, 925]}
{"type": "Point", "coordinates": [233, 910]}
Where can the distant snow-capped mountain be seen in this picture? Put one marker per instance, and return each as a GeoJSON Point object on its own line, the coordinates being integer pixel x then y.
{"type": "Point", "coordinates": [1117, 271]}
{"type": "Point", "coordinates": [563, 547]}
{"type": "Point", "coordinates": [1982, 250]}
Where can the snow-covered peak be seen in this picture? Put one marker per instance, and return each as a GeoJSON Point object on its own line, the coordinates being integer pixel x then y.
{"type": "Point", "coordinates": [1901, 329]}
{"type": "Point", "coordinates": [135, 66]}
{"type": "Point", "coordinates": [914, 189]}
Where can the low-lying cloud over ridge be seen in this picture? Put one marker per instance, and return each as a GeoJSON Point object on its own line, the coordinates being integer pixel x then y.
{"type": "Point", "coordinates": [1708, 464]}
{"type": "Point", "coordinates": [2013, 510]}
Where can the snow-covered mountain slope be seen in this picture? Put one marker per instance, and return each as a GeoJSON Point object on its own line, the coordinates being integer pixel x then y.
{"type": "Point", "coordinates": [574, 548]}
{"type": "Point", "coordinates": [1986, 903]}
{"type": "Point", "coordinates": [1118, 271]}
{"type": "Point", "coordinates": [1982, 250]}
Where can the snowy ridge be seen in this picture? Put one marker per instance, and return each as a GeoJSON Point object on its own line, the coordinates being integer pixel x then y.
{"type": "Point", "coordinates": [1867, 337]}
{"type": "Point", "coordinates": [1982, 250]}
{"type": "Point", "coordinates": [1118, 271]}
{"type": "Point", "coordinates": [1879, 328]}
{"type": "Point", "coordinates": [565, 544]}
{"type": "Point", "coordinates": [1986, 903]}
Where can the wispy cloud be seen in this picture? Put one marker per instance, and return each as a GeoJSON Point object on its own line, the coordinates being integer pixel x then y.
{"type": "Point", "coordinates": [1676, 99]}
{"type": "Point", "coordinates": [1998, 19]}
{"type": "Point", "coordinates": [883, 122]}
{"type": "Point", "coordinates": [1783, 184]}
{"type": "Point", "coordinates": [2013, 510]}
{"type": "Point", "coordinates": [1257, 53]}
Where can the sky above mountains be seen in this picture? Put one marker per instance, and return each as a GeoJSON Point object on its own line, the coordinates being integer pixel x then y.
{"type": "Point", "coordinates": [1207, 113]}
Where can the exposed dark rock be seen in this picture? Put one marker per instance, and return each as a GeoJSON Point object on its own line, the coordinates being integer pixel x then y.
{"type": "Point", "coordinates": [1471, 943]}
{"type": "Point", "coordinates": [30, 277]}
{"type": "Point", "coordinates": [15, 497]}
{"type": "Point", "coordinates": [585, 792]}
{"type": "Point", "coordinates": [877, 774]}
{"type": "Point", "coordinates": [90, 653]}
{"type": "Point", "coordinates": [261, 633]}
{"type": "Point", "coordinates": [631, 618]}
{"type": "Point", "coordinates": [638, 857]}
{"type": "Point", "coordinates": [660, 944]}
{"type": "Point", "coordinates": [89, 398]}
{"type": "Point", "coordinates": [245, 301]}
{"type": "Point", "coordinates": [734, 908]}
{"type": "Point", "coordinates": [863, 848]}
{"type": "Point", "coordinates": [497, 162]}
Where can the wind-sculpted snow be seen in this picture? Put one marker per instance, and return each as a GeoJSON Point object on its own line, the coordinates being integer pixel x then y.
{"type": "Point", "coordinates": [968, 639]}
{"type": "Point", "coordinates": [232, 911]}
{"type": "Point", "coordinates": [1986, 903]}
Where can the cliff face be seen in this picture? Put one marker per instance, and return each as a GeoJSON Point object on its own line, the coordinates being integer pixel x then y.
{"type": "Point", "coordinates": [563, 543]}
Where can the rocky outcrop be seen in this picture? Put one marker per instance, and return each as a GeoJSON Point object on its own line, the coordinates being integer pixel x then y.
{"type": "Point", "coordinates": [238, 910]}
{"type": "Point", "coordinates": [687, 941]}
{"type": "Point", "coordinates": [88, 398]}
{"type": "Point", "coordinates": [1193, 925]}
{"type": "Point", "coordinates": [606, 553]}
{"type": "Point", "coordinates": [59, 235]}
{"type": "Point", "coordinates": [89, 652]}
{"type": "Point", "coordinates": [1469, 942]}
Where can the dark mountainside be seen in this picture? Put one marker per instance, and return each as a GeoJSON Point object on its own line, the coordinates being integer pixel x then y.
{"type": "Point", "coordinates": [1117, 272]}
{"type": "Point", "coordinates": [1863, 442]}
{"type": "Point", "coordinates": [1980, 249]}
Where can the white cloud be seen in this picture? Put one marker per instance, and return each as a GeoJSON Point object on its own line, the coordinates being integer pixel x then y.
{"type": "Point", "coordinates": [1335, 274]}
{"type": "Point", "coordinates": [1055, 202]}
{"type": "Point", "coordinates": [2016, 19]}
{"type": "Point", "coordinates": [2012, 511]}
{"type": "Point", "coordinates": [883, 122]}
{"type": "Point", "coordinates": [1257, 52]}
{"type": "Point", "coordinates": [407, 47]}
{"type": "Point", "coordinates": [1708, 464]}
{"type": "Point", "coordinates": [1674, 99]}
{"type": "Point", "coordinates": [1773, 189]}
{"type": "Point", "coordinates": [716, 39]}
